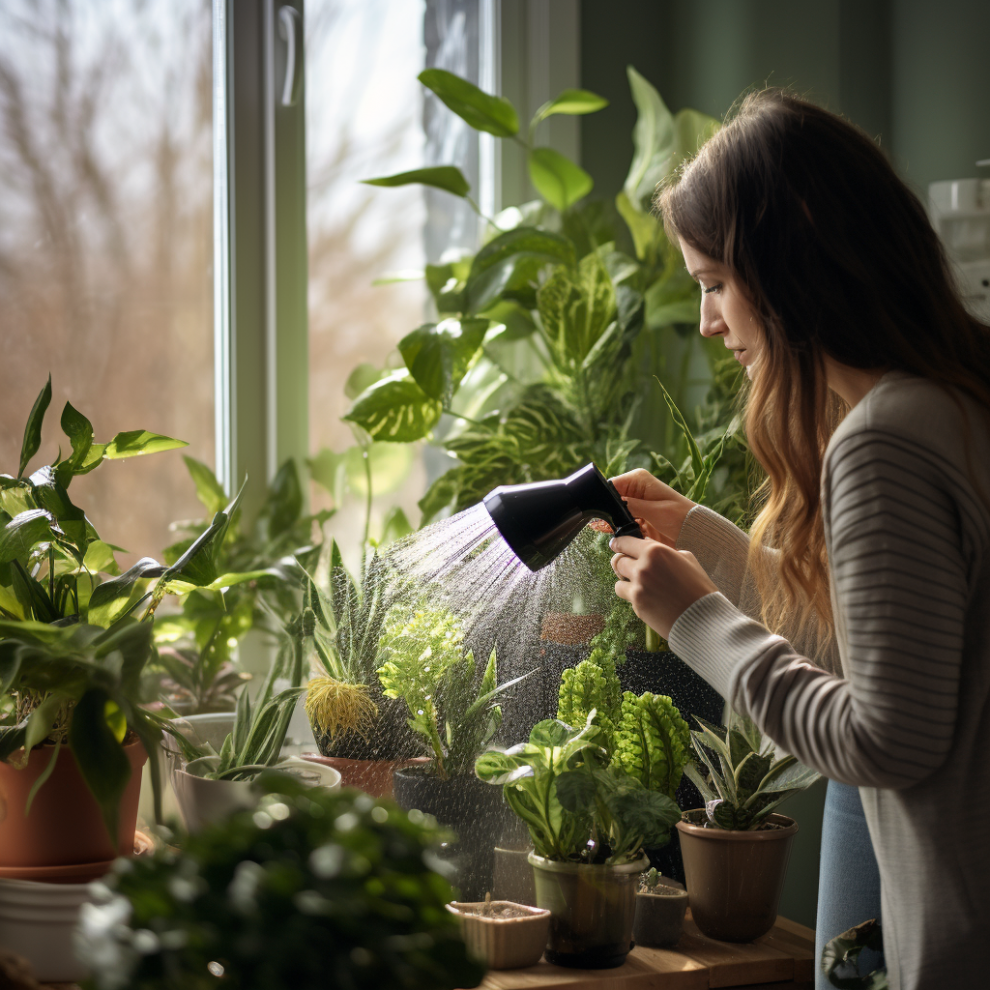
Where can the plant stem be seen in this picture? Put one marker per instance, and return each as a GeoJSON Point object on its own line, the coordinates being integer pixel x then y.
{"type": "Point", "coordinates": [652, 640]}
{"type": "Point", "coordinates": [365, 453]}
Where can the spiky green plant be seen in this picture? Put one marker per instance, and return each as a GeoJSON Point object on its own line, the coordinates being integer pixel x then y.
{"type": "Point", "coordinates": [740, 778]}
{"type": "Point", "coordinates": [652, 741]}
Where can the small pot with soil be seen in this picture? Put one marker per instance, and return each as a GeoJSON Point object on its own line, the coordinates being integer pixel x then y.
{"type": "Point", "coordinates": [734, 877]}
{"type": "Point", "coordinates": [660, 907]}
{"type": "Point", "coordinates": [592, 908]}
{"type": "Point", "coordinates": [504, 934]}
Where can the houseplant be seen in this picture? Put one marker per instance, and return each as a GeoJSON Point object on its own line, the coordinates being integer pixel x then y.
{"type": "Point", "coordinates": [196, 646]}
{"type": "Point", "coordinates": [360, 732]}
{"type": "Point", "coordinates": [454, 713]}
{"type": "Point", "coordinates": [660, 909]}
{"type": "Point", "coordinates": [735, 850]}
{"type": "Point", "coordinates": [588, 820]}
{"type": "Point", "coordinates": [73, 654]}
{"type": "Point", "coordinates": [315, 888]}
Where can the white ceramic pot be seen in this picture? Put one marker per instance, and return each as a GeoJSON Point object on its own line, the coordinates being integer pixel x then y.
{"type": "Point", "coordinates": [37, 921]}
{"type": "Point", "coordinates": [202, 801]}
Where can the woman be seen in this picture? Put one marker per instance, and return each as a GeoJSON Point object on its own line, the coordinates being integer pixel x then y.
{"type": "Point", "coordinates": [853, 624]}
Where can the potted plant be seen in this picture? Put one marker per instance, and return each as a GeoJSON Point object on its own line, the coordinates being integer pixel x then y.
{"type": "Point", "coordinates": [504, 934]}
{"type": "Point", "coordinates": [359, 731]}
{"type": "Point", "coordinates": [660, 908]}
{"type": "Point", "coordinates": [589, 820]}
{"type": "Point", "coordinates": [454, 714]}
{"type": "Point", "coordinates": [73, 655]}
{"type": "Point", "coordinates": [735, 850]}
{"type": "Point", "coordinates": [314, 888]}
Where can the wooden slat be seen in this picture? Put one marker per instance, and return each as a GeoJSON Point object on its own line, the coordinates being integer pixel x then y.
{"type": "Point", "coordinates": [808, 934]}
{"type": "Point", "coordinates": [801, 949]}
{"type": "Point", "coordinates": [735, 964]}
{"type": "Point", "coordinates": [636, 974]}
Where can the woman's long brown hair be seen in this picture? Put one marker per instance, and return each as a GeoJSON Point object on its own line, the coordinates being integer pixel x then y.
{"type": "Point", "coordinates": [839, 259]}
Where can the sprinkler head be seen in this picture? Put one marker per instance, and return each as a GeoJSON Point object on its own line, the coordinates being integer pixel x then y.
{"type": "Point", "coordinates": [539, 520]}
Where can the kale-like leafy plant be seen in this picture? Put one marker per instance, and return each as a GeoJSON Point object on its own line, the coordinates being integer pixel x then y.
{"type": "Point", "coordinates": [740, 778]}
{"type": "Point", "coordinates": [578, 805]}
{"type": "Point", "coordinates": [454, 713]}
{"type": "Point", "coordinates": [313, 888]}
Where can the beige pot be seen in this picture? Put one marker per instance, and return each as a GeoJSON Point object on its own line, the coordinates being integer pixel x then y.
{"type": "Point", "coordinates": [503, 943]}
{"type": "Point", "coordinates": [734, 879]}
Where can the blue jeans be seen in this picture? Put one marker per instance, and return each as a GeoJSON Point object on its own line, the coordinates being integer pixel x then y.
{"type": "Point", "coordinates": [849, 880]}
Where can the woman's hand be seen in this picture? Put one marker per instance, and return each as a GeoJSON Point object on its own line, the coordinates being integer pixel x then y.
{"type": "Point", "coordinates": [657, 503]}
{"type": "Point", "coordinates": [658, 581]}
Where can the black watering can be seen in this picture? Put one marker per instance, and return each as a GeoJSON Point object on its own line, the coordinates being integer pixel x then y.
{"type": "Point", "coordinates": [539, 520]}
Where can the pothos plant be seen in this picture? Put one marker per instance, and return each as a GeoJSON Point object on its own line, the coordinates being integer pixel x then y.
{"type": "Point", "coordinates": [547, 339]}
{"type": "Point", "coordinates": [578, 805]}
{"type": "Point", "coordinates": [75, 632]}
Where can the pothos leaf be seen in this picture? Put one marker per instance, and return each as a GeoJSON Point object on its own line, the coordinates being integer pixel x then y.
{"type": "Point", "coordinates": [32, 429]}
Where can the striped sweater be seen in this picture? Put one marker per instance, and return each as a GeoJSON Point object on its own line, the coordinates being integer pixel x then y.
{"type": "Point", "coordinates": [904, 711]}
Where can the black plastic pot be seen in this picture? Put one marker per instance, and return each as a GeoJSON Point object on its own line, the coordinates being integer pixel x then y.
{"type": "Point", "coordinates": [471, 808]}
{"type": "Point", "coordinates": [592, 909]}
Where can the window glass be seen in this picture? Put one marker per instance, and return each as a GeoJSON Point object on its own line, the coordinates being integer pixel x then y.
{"type": "Point", "coordinates": [364, 119]}
{"type": "Point", "coordinates": [106, 242]}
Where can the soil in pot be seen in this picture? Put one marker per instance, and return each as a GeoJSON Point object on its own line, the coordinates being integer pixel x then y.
{"type": "Point", "coordinates": [735, 878]}
{"type": "Point", "coordinates": [471, 808]}
{"type": "Point", "coordinates": [65, 826]}
{"type": "Point", "coordinates": [592, 910]}
{"type": "Point", "coordinates": [504, 934]}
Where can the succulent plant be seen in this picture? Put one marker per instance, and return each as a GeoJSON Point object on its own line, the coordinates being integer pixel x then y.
{"type": "Point", "coordinates": [739, 776]}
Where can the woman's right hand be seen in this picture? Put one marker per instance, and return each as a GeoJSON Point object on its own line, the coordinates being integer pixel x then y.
{"type": "Point", "coordinates": [650, 499]}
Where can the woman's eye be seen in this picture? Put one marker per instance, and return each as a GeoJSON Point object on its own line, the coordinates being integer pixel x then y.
{"type": "Point", "coordinates": [712, 288]}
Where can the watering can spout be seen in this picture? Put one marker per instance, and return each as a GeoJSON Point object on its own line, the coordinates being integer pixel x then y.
{"type": "Point", "coordinates": [539, 520]}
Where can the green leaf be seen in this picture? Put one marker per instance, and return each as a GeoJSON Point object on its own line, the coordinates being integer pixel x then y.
{"type": "Point", "coordinates": [23, 532]}
{"type": "Point", "coordinates": [53, 497]}
{"type": "Point", "coordinates": [645, 228]}
{"type": "Point", "coordinates": [482, 111]}
{"type": "Point", "coordinates": [111, 598]}
{"type": "Point", "coordinates": [395, 409]}
{"type": "Point", "coordinates": [41, 720]}
{"type": "Point", "coordinates": [508, 265]}
{"type": "Point", "coordinates": [135, 443]}
{"type": "Point", "coordinates": [438, 356]}
{"type": "Point", "coordinates": [102, 760]}
{"type": "Point", "coordinates": [329, 470]}
{"type": "Point", "coordinates": [653, 140]}
{"type": "Point", "coordinates": [198, 565]}
{"type": "Point", "coordinates": [395, 526]}
{"type": "Point", "coordinates": [32, 429]}
{"type": "Point", "coordinates": [362, 377]}
{"type": "Point", "coordinates": [208, 490]}
{"type": "Point", "coordinates": [79, 430]}
{"type": "Point", "coordinates": [284, 501]}
{"type": "Point", "coordinates": [94, 457]}
{"type": "Point", "coordinates": [440, 494]}
{"type": "Point", "coordinates": [389, 462]}
{"type": "Point", "coordinates": [557, 179]}
{"type": "Point", "coordinates": [445, 177]}
{"type": "Point", "coordinates": [43, 776]}
{"type": "Point", "coordinates": [571, 101]}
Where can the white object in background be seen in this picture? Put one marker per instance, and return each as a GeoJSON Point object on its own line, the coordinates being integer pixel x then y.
{"type": "Point", "coordinates": [37, 921]}
{"type": "Point", "coordinates": [960, 213]}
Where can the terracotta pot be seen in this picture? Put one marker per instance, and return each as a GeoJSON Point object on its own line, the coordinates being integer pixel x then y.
{"type": "Point", "coordinates": [660, 915]}
{"type": "Point", "coordinates": [65, 826]}
{"type": "Point", "coordinates": [734, 879]}
{"type": "Point", "coordinates": [592, 908]}
{"type": "Point", "coordinates": [503, 942]}
{"type": "Point", "coordinates": [374, 777]}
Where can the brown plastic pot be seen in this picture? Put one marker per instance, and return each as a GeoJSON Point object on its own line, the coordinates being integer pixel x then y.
{"type": "Point", "coordinates": [65, 826]}
{"type": "Point", "coordinates": [734, 879]}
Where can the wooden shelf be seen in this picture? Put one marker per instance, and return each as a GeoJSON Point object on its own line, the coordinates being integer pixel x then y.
{"type": "Point", "coordinates": [784, 959]}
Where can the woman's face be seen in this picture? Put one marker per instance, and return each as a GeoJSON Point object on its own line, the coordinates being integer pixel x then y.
{"type": "Point", "coordinates": [725, 310]}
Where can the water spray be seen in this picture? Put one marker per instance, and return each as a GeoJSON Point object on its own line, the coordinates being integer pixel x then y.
{"type": "Point", "coordinates": [539, 520]}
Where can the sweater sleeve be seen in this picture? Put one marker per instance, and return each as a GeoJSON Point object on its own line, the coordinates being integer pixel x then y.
{"type": "Point", "coordinates": [899, 573]}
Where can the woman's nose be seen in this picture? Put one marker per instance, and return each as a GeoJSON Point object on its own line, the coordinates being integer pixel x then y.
{"type": "Point", "coordinates": [712, 323]}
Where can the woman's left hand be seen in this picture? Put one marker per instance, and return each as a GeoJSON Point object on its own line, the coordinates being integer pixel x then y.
{"type": "Point", "coordinates": [658, 581]}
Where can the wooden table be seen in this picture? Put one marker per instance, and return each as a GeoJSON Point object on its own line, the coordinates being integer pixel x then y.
{"type": "Point", "coordinates": [784, 959]}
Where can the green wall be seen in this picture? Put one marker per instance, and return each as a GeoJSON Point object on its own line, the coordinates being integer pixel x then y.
{"type": "Point", "coordinates": [913, 73]}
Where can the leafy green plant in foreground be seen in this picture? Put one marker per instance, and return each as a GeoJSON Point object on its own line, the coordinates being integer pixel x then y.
{"type": "Point", "coordinates": [313, 888]}
{"type": "Point", "coordinates": [578, 805]}
{"type": "Point", "coordinates": [740, 778]}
